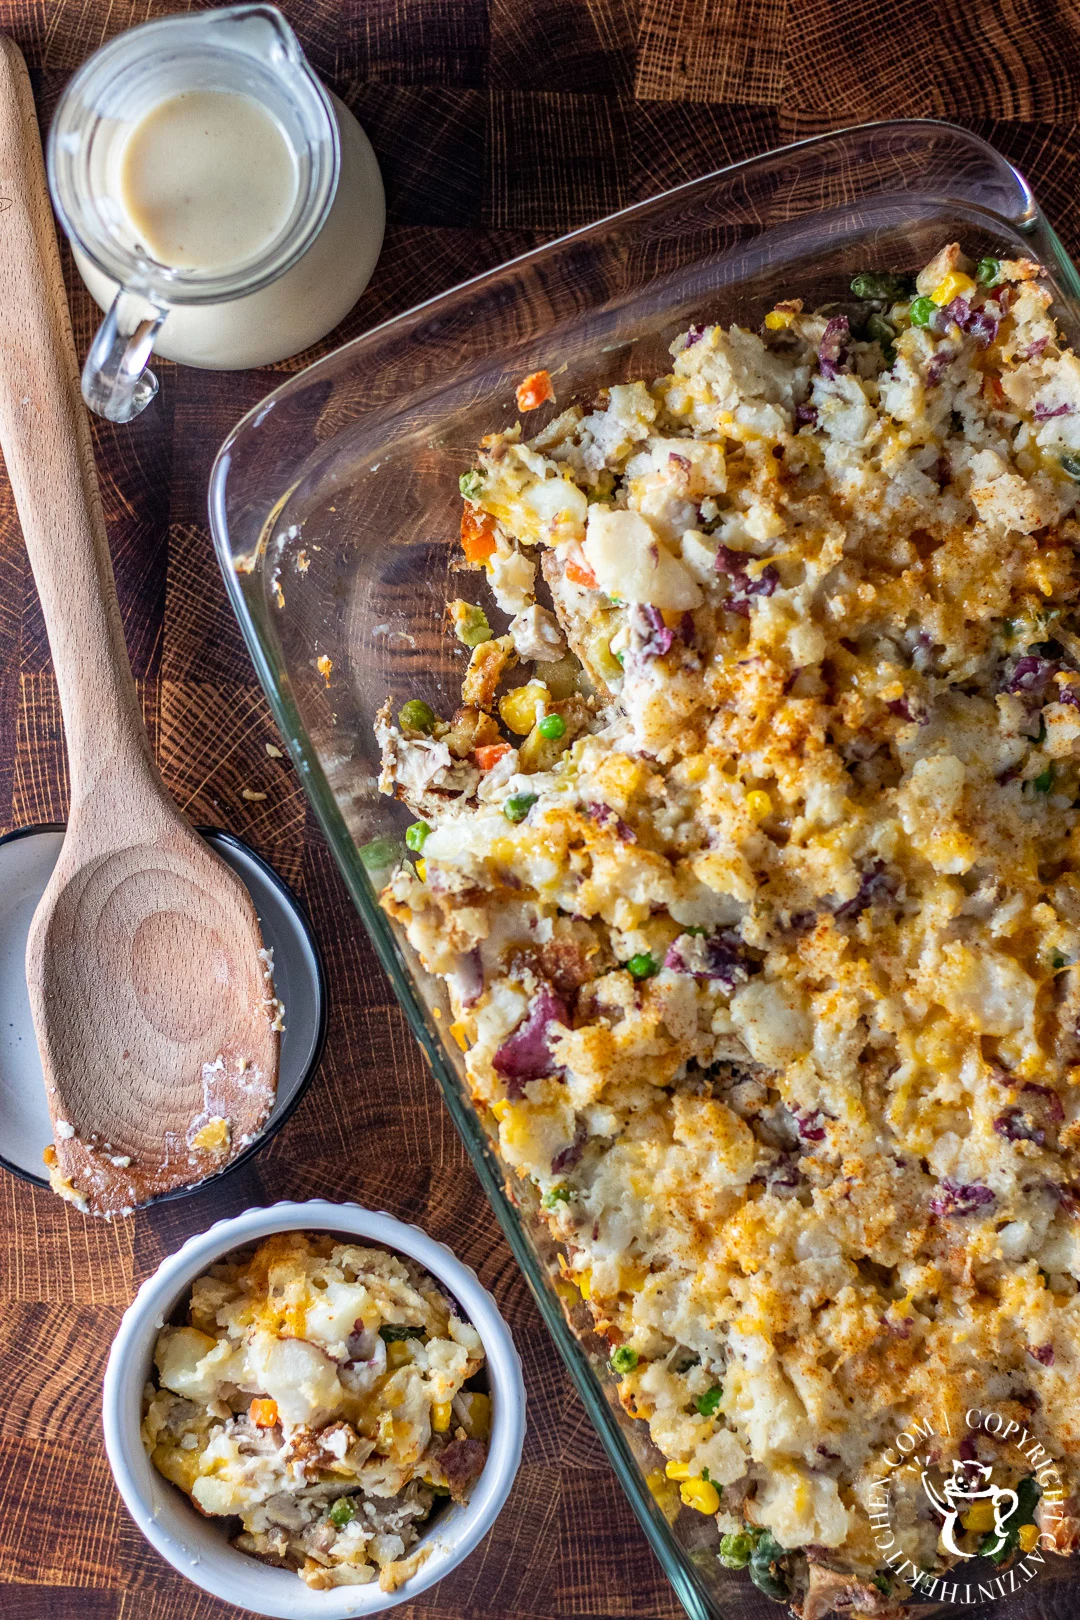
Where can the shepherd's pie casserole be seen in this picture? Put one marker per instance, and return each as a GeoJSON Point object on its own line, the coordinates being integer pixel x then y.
{"type": "Point", "coordinates": [758, 900]}
{"type": "Point", "coordinates": [319, 1396]}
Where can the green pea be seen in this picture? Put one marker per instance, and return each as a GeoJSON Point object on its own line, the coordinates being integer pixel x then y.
{"type": "Point", "coordinates": [472, 629]}
{"type": "Point", "coordinates": [766, 1571]}
{"type": "Point", "coordinates": [470, 484]}
{"type": "Point", "coordinates": [1059, 961]}
{"type": "Point", "coordinates": [882, 1582]}
{"type": "Point", "coordinates": [417, 836]}
{"type": "Point", "coordinates": [988, 272]}
{"type": "Point", "coordinates": [552, 726]}
{"type": "Point", "coordinates": [1044, 781]}
{"type": "Point", "coordinates": [707, 1403]}
{"type": "Point", "coordinates": [879, 330]}
{"type": "Point", "coordinates": [556, 1195]}
{"type": "Point", "coordinates": [1071, 465]}
{"type": "Point", "coordinates": [922, 311]}
{"type": "Point", "coordinates": [395, 1332]}
{"type": "Point", "coordinates": [623, 1360]}
{"type": "Point", "coordinates": [416, 715]}
{"type": "Point", "coordinates": [342, 1513]}
{"type": "Point", "coordinates": [518, 807]}
{"type": "Point", "coordinates": [378, 856]}
{"type": "Point", "coordinates": [735, 1549]}
{"type": "Point", "coordinates": [642, 966]}
{"type": "Point", "coordinates": [887, 284]}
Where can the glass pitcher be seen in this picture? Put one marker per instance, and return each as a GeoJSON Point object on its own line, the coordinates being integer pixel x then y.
{"type": "Point", "coordinates": [247, 49]}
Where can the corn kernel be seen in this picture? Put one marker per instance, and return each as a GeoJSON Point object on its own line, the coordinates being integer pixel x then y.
{"type": "Point", "coordinates": [522, 707]}
{"type": "Point", "coordinates": [758, 804]}
{"type": "Point", "coordinates": [1028, 1536]}
{"type": "Point", "coordinates": [457, 1030]}
{"type": "Point", "coordinates": [584, 1283]}
{"type": "Point", "coordinates": [475, 1409]}
{"type": "Point", "coordinates": [500, 1109]}
{"type": "Point", "coordinates": [214, 1136]}
{"type": "Point", "coordinates": [954, 285]}
{"type": "Point", "coordinates": [421, 871]}
{"type": "Point", "coordinates": [603, 659]}
{"type": "Point", "coordinates": [632, 1279]}
{"type": "Point", "coordinates": [777, 320]}
{"type": "Point", "coordinates": [677, 1470]}
{"type": "Point", "coordinates": [440, 1416]}
{"type": "Point", "coordinates": [664, 1493]}
{"type": "Point", "coordinates": [398, 1354]}
{"type": "Point", "coordinates": [980, 1516]}
{"type": "Point", "coordinates": [701, 1495]}
{"type": "Point", "coordinates": [516, 1128]}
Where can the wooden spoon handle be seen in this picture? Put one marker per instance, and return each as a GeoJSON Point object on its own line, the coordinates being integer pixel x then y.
{"type": "Point", "coordinates": [45, 437]}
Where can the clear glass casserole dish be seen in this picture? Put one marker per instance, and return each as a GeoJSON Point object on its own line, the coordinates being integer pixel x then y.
{"type": "Point", "coordinates": [335, 511]}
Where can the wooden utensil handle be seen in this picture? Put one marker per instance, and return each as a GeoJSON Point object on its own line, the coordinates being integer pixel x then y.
{"type": "Point", "coordinates": [45, 437]}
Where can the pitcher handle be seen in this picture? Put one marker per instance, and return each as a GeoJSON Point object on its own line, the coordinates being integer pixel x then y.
{"type": "Point", "coordinates": [116, 380]}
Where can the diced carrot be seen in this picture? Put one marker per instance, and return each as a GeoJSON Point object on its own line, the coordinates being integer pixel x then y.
{"type": "Point", "coordinates": [263, 1412]}
{"type": "Point", "coordinates": [534, 391]}
{"type": "Point", "coordinates": [489, 754]}
{"type": "Point", "coordinates": [477, 534]}
{"type": "Point", "coordinates": [581, 574]}
{"type": "Point", "coordinates": [992, 389]}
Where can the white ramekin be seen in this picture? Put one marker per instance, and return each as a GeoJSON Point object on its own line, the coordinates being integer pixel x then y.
{"type": "Point", "coordinates": [195, 1545]}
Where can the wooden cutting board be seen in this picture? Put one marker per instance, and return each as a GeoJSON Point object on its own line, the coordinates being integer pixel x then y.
{"type": "Point", "coordinates": [498, 123]}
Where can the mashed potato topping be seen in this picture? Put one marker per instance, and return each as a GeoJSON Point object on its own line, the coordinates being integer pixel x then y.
{"type": "Point", "coordinates": [318, 1394]}
{"type": "Point", "coordinates": [758, 910]}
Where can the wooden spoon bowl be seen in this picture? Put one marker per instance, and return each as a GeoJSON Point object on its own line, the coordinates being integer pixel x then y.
{"type": "Point", "coordinates": [155, 1015]}
{"type": "Point", "coordinates": [151, 994]}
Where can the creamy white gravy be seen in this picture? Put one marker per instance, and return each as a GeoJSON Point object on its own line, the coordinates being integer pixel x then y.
{"type": "Point", "coordinates": [207, 180]}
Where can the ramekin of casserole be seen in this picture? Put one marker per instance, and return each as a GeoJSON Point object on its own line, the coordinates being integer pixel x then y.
{"type": "Point", "coordinates": [335, 506]}
{"type": "Point", "coordinates": [197, 1546]}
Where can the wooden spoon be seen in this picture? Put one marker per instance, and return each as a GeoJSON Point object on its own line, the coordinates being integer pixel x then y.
{"type": "Point", "coordinates": [151, 995]}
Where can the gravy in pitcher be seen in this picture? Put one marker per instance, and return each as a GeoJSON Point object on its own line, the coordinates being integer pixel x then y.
{"type": "Point", "coordinates": [206, 179]}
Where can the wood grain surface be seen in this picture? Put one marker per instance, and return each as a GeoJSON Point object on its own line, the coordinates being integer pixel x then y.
{"type": "Point", "coordinates": [498, 123]}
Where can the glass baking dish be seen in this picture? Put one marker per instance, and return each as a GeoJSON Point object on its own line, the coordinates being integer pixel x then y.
{"type": "Point", "coordinates": [335, 512]}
